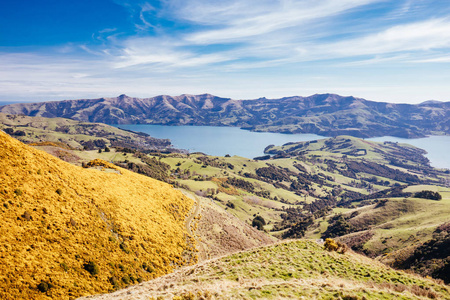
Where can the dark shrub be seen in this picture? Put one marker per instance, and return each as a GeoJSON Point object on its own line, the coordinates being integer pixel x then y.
{"type": "Point", "coordinates": [19, 133]}
{"type": "Point", "coordinates": [126, 279]}
{"type": "Point", "coordinates": [91, 267]}
{"type": "Point", "coordinates": [257, 224]}
{"type": "Point", "coordinates": [428, 195]}
{"type": "Point", "coordinates": [9, 131]}
{"type": "Point", "coordinates": [44, 286]}
{"type": "Point", "coordinates": [230, 204]}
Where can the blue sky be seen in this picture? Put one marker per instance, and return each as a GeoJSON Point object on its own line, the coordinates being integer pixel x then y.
{"type": "Point", "coordinates": [394, 51]}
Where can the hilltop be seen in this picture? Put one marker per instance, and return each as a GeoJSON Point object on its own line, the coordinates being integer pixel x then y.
{"type": "Point", "coordinates": [323, 114]}
{"type": "Point", "coordinates": [76, 134]}
{"type": "Point", "coordinates": [295, 269]}
{"type": "Point", "coordinates": [69, 231]}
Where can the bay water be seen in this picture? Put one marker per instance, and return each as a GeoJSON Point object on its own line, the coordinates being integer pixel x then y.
{"type": "Point", "coordinates": [220, 141]}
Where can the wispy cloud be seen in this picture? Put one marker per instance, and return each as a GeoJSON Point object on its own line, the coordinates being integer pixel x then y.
{"type": "Point", "coordinates": [419, 36]}
{"type": "Point", "coordinates": [238, 25]}
{"type": "Point", "coordinates": [227, 45]}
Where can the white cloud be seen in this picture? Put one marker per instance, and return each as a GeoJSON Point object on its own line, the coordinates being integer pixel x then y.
{"type": "Point", "coordinates": [254, 19]}
{"type": "Point", "coordinates": [240, 49]}
{"type": "Point", "coordinates": [419, 36]}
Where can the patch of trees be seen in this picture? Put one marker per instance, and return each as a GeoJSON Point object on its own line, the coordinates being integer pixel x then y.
{"type": "Point", "coordinates": [11, 131]}
{"type": "Point", "coordinates": [125, 150]}
{"type": "Point", "coordinates": [296, 185]}
{"type": "Point", "coordinates": [213, 162]}
{"type": "Point", "coordinates": [338, 227]}
{"type": "Point", "coordinates": [381, 170]}
{"type": "Point", "coordinates": [259, 222]}
{"type": "Point", "coordinates": [298, 229]}
{"type": "Point", "coordinates": [394, 192]}
{"type": "Point", "coordinates": [241, 183]}
{"type": "Point", "coordinates": [273, 173]}
{"type": "Point", "coordinates": [433, 257]}
{"type": "Point", "coordinates": [348, 197]}
{"type": "Point", "coordinates": [323, 204]}
{"type": "Point", "coordinates": [230, 204]}
{"type": "Point", "coordinates": [93, 144]}
{"type": "Point", "coordinates": [8, 130]}
{"type": "Point", "coordinates": [301, 168]}
{"type": "Point", "coordinates": [264, 157]}
{"type": "Point", "coordinates": [152, 168]}
{"type": "Point", "coordinates": [428, 195]}
{"type": "Point", "coordinates": [415, 155]}
{"type": "Point", "coordinates": [292, 214]}
{"type": "Point", "coordinates": [374, 180]}
{"type": "Point", "coordinates": [263, 194]}
{"type": "Point", "coordinates": [63, 129]}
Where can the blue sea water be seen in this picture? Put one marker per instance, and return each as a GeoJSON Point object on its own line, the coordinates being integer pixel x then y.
{"type": "Point", "coordinates": [234, 141]}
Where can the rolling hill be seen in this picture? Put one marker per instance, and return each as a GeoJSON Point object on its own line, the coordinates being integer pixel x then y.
{"type": "Point", "coordinates": [407, 233]}
{"type": "Point", "coordinates": [76, 134]}
{"type": "Point", "coordinates": [68, 231]}
{"type": "Point", "coordinates": [290, 270]}
{"type": "Point", "coordinates": [323, 114]}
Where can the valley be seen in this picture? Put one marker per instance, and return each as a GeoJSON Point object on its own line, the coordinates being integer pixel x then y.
{"type": "Point", "coordinates": [215, 150]}
{"type": "Point", "coordinates": [366, 194]}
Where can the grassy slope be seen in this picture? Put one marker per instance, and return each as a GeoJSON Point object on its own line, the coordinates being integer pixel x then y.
{"type": "Point", "coordinates": [294, 269]}
{"type": "Point", "coordinates": [55, 217]}
{"type": "Point", "coordinates": [399, 224]}
{"type": "Point", "coordinates": [39, 129]}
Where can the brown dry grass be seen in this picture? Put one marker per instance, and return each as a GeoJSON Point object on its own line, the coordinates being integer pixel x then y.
{"type": "Point", "coordinates": [219, 232]}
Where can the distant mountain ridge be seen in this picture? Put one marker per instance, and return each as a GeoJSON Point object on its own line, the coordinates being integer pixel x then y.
{"type": "Point", "coordinates": [324, 114]}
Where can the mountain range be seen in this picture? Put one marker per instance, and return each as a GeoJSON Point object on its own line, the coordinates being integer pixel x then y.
{"type": "Point", "coordinates": [323, 114]}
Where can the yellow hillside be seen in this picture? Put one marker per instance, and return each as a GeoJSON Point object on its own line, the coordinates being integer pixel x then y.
{"type": "Point", "coordinates": [81, 231]}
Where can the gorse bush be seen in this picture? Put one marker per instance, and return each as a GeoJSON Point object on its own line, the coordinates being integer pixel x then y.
{"type": "Point", "coordinates": [332, 245]}
{"type": "Point", "coordinates": [97, 202]}
{"type": "Point", "coordinates": [91, 267]}
{"type": "Point", "coordinates": [44, 286]}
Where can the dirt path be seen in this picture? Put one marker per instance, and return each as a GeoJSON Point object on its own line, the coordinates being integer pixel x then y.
{"type": "Point", "coordinates": [202, 249]}
{"type": "Point", "coordinates": [195, 212]}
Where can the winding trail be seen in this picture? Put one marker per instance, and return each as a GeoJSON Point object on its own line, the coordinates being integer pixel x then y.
{"type": "Point", "coordinates": [202, 253]}
{"type": "Point", "coordinates": [195, 212]}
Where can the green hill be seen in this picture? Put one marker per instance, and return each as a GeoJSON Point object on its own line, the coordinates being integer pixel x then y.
{"type": "Point", "coordinates": [394, 230]}
{"type": "Point", "coordinates": [291, 270]}
{"type": "Point", "coordinates": [75, 134]}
